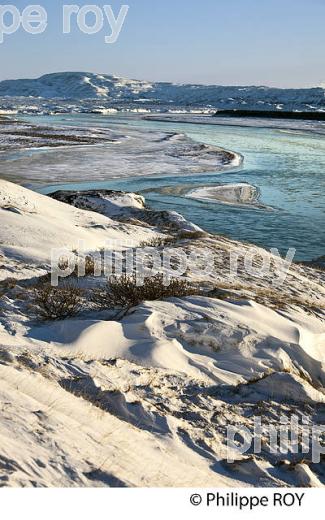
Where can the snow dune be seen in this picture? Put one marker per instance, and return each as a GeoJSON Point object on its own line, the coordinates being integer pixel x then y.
{"type": "Point", "coordinates": [145, 400]}
{"type": "Point", "coordinates": [203, 338]}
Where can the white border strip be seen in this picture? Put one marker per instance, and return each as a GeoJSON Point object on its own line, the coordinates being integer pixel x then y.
{"type": "Point", "coordinates": [156, 504]}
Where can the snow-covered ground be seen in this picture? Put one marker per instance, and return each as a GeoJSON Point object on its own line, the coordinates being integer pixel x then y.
{"type": "Point", "coordinates": [145, 399]}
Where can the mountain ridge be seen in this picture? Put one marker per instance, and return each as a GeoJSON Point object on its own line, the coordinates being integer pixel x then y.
{"type": "Point", "coordinates": [106, 87]}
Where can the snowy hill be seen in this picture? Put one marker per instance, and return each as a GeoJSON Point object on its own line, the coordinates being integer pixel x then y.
{"type": "Point", "coordinates": [73, 85]}
{"type": "Point", "coordinates": [81, 86]}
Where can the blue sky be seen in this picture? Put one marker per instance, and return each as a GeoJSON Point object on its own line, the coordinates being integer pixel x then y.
{"type": "Point", "coordinates": [237, 42]}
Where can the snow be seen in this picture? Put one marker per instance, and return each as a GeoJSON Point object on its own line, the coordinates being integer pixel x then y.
{"type": "Point", "coordinates": [181, 223]}
{"type": "Point", "coordinates": [105, 202]}
{"type": "Point", "coordinates": [66, 428]}
{"type": "Point", "coordinates": [104, 87]}
{"type": "Point", "coordinates": [145, 399]}
{"type": "Point", "coordinates": [175, 336]}
{"type": "Point", "coordinates": [238, 194]}
{"type": "Point", "coordinates": [73, 85]}
{"type": "Point", "coordinates": [32, 225]}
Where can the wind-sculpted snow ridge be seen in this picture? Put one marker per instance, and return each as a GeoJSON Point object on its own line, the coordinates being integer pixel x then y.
{"type": "Point", "coordinates": [145, 398]}
{"type": "Point", "coordinates": [124, 92]}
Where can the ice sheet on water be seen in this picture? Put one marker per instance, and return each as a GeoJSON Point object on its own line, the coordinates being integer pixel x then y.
{"type": "Point", "coordinates": [124, 151]}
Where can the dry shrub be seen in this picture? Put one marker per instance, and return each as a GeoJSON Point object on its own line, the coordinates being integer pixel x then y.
{"type": "Point", "coordinates": [272, 298]}
{"type": "Point", "coordinates": [123, 292]}
{"type": "Point", "coordinates": [191, 235]}
{"type": "Point", "coordinates": [159, 242]}
{"type": "Point", "coordinates": [89, 264]}
{"type": "Point", "coordinates": [171, 240]}
{"type": "Point", "coordinates": [57, 303]}
{"type": "Point", "coordinates": [7, 284]}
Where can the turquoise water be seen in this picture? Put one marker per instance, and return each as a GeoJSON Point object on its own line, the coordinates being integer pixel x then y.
{"type": "Point", "coordinates": [287, 166]}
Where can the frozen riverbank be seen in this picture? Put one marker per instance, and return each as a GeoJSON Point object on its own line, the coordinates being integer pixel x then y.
{"type": "Point", "coordinates": [39, 154]}
{"type": "Point", "coordinates": [164, 161]}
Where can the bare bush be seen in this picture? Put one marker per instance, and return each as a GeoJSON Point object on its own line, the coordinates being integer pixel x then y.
{"type": "Point", "coordinates": [57, 303]}
{"type": "Point", "coordinates": [191, 235]}
{"type": "Point", "coordinates": [159, 242]}
{"type": "Point", "coordinates": [88, 264]}
{"type": "Point", "coordinates": [7, 284]}
{"type": "Point", "coordinates": [5, 287]}
{"type": "Point", "coordinates": [123, 292]}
